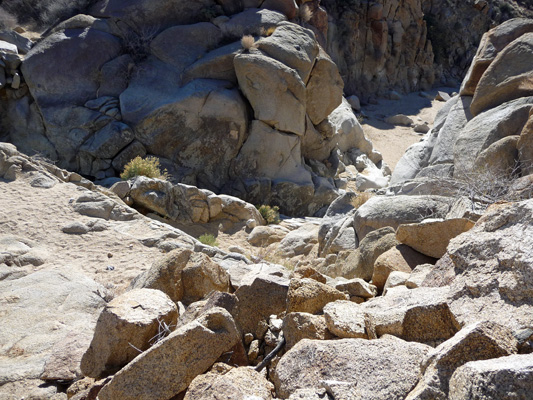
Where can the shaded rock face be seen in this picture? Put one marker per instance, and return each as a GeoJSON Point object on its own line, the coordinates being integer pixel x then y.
{"type": "Point", "coordinates": [478, 142]}
{"type": "Point", "coordinates": [253, 123]}
{"type": "Point", "coordinates": [408, 45]}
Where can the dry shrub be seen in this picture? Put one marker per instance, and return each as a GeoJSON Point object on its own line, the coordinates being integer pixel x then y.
{"type": "Point", "coordinates": [208, 239]}
{"type": "Point", "coordinates": [305, 13]}
{"type": "Point", "coordinates": [148, 166]}
{"type": "Point", "coordinates": [248, 42]}
{"type": "Point", "coordinates": [269, 214]}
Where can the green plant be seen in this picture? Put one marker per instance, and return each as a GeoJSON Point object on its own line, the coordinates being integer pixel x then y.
{"type": "Point", "coordinates": [208, 239]}
{"type": "Point", "coordinates": [269, 214]}
{"type": "Point", "coordinates": [148, 166]}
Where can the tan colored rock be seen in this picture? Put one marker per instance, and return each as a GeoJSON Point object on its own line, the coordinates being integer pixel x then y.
{"type": "Point", "coordinates": [396, 278]}
{"type": "Point", "coordinates": [345, 320]}
{"type": "Point", "coordinates": [293, 46]}
{"type": "Point", "coordinates": [169, 367]}
{"type": "Point", "coordinates": [262, 236]}
{"type": "Point", "coordinates": [309, 272]}
{"type": "Point", "coordinates": [422, 315]}
{"type": "Point", "coordinates": [399, 119]}
{"type": "Point", "coordinates": [508, 77]}
{"type": "Point", "coordinates": [431, 237]}
{"type": "Point", "coordinates": [165, 274]}
{"type": "Point", "coordinates": [499, 159]}
{"type": "Point", "coordinates": [381, 211]}
{"type": "Point", "coordinates": [202, 276]}
{"type": "Point", "coordinates": [324, 88]}
{"type": "Point", "coordinates": [399, 258]}
{"type": "Point", "coordinates": [300, 325]}
{"type": "Point", "coordinates": [310, 296]}
{"type": "Point", "coordinates": [492, 43]}
{"type": "Point", "coordinates": [418, 275]}
{"type": "Point", "coordinates": [382, 369]}
{"type": "Point", "coordinates": [237, 383]}
{"type": "Point", "coordinates": [275, 91]}
{"type": "Point", "coordinates": [360, 263]}
{"type": "Point", "coordinates": [479, 341]}
{"type": "Point", "coordinates": [502, 378]}
{"type": "Point", "coordinates": [525, 146]}
{"type": "Point", "coordinates": [299, 241]}
{"type": "Point", "coordinates": [264, 296]}
{"type": "Point", "coordinates": [357, 287]}
{"type": "Point", "coordinates": [129, 322]}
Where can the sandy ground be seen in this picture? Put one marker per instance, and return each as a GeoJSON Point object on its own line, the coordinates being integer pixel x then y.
{"type": "Point", "coordinates": [390, 140]}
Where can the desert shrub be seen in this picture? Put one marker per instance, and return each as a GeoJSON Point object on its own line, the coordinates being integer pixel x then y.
{"type": "Point", "coordinates": [148, 166]}
{"type": "Point", "coordinates": [248, 42]}
{"type": "Point", "coordinates": [208, 239]}
{"type": "Point", "coordinates": [304, 13]}
{"type": "Point", "coordinates": [137, 41]}
{"type": "Point", "coordinates": [269, 214]}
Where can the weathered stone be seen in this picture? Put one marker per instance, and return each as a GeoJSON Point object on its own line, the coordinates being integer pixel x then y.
{"type": "Point", "coordinates": [492, 43]}
{"type": "Point", "coordinates": [130, 323]}
{"type": "Point", "coordinates": [217, 64]}
{"type": "Point", "coordinates": [380, 211]}
{"type": "Point", "coordinates": [503, 378]}
{"type": "Point", "coordinates": [258, 300]}
{"type": "Point", "coordinates": [431, 237]}
{"type": "Point", "coordinates": [525, 146]}
{"type": "Point", "coordinates": [344, 319]}
{"type": "Point", "coordinates": [399, 258]}
{"type": "Point", "coordinates": [300, 325]}
{"type": "Point", "coordinates": [237, 383]}
{"type": "Point", "coordinates": [399, 119]}
{"type": "Point", "coordinates": [293, 46]}
{"type": "Point", "coordinates": [508, 77]}
{"type": "Point", "coordinates": [357, 287]}
{"type": "Point", "coordinates": [265, 235]}
{"type": "Point", "coordinates": [169, 367]}
{"type": "Point", "coordinates": [275, 91]}
{"type": "Point", "coordinates": [300, 241]}
{"type": "Point", "coordinates": [351, 360]}
{"type": "Point", "coordinates": [499, 159]}
{"type": "Point", "coordinates": [418, 275]}
{"type": "Point", "coordinates": [324, 88]}
{"type": "Point", "coordinates": [283, 161]}
{"type": "Point", "coordinates": [301, 272]}
{"type": "Point", "coordinates": [478, 341]}
{"type": "Point", "coordinates": [310, 296]}
{"type": "Point", "coordinates": [395, 278]}
{"type": "Point", "coordinates": [202, 276]}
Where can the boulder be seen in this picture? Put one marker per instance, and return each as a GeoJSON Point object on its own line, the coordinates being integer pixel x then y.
{"type": "Point", "coordinates": [129, 324]}
{"type": "Point", "coordinates": [382, 369]}
{"type": "Point", "coordinates": [251, 22]}
{"type": "Point", "coordinates": [300, 241]}
{"type": "Point", "coordinates": [306, 271]}
{"type": "Point", "coordinates": [184, 276]}
{"type": "Point", "coordinates": [499, 159]}
{"type": "Point", "coordinates": [294, 46]}
{"type": "Point", "coordinates": [357, 287]}
{"type": "Point", "coordinates": [286, 7]}
{"type": "Point", "coordinates": [169, 367]}
{"type": "Point", "coordinates": [275, 91]}
{"type": "Point", "coordinates": [165, 274]}
{"type": "Point", "coordinates": [237, 383]}
{"type": "Point", "coordinates": [336, 234]}
{"type": "Point", "coordinates": [399, 119]}
{"type": "Point", "coordinates": [324, 88]}
{"type": "Point", "coordinates": [196, 40]}
{"type": "Point", "coordinates": [399, 258]}
{"type": "Point", "coordinates": [508, 77]}
{"type": "Point", "coordinates": [421, 315]}
{"type": "Point", "coordinates": [216, 64]}
{"type": "Point", "coordinates": [492, 43]}
{"type": "Point", "coordinates": [431, 237]}
{"type": "Point", "coordinates": [381, 211]}
{"type": "Point", "coordinates": [478, 341]}
{"type": "Point", "coordinates": [377, 242]}
{"type": "Point", "coordinates": [73, 81]}
{"type": "Point", "coordinates": [503, 378]}
{"type": "Point", "coordinates": [301, 325]}
{"type": "Point", "coordinates": [395, 278]}
{"type": "Point", "coordinates": [283, 161]}
{"type": "Point", "coordinates": [418, 275]}
{"type": "Point", "coordinates": [263, 236]}
{"type": "Point", "coordinates": [344, 319]}
{"type": "Point", "coordinates": [309, 296]}
{"type": "Point", "coordinates": [494, 280]}
{"type": "Point", "coordinates": [44, 298]}
{"type": "Point", "coordinates": [260, 298]}
{"type": "Point", "coordinates": [205, 106]}
{"type": "Point", "coordinates": [525, 146]}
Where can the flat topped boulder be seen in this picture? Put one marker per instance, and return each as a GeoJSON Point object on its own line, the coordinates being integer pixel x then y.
{"type": "Point", "coordinates": [384, 369]}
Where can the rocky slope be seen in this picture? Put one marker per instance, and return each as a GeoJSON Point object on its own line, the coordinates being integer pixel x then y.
{"type": "Point", "coordinates": [419, 290]}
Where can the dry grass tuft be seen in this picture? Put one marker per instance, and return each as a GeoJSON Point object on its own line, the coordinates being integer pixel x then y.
{"type": "Point", "coordinates": [248, 42]}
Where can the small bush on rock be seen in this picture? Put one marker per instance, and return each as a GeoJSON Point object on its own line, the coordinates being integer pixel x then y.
{"type": "Point", "coordinates": [148, 166]}
{"type": "Point", "coordinates": [208, 239]}
{"type": "Point", "coordinates": [269, 214]}
{"type": "Point", "coordinates": [248, 42]}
